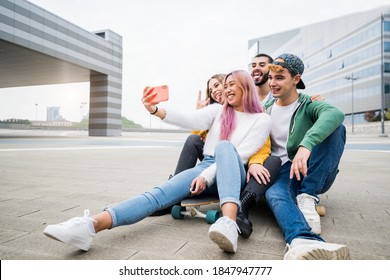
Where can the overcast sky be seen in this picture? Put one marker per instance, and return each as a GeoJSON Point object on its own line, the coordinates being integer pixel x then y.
{"type": "Point", "coordinates": [176, 42]}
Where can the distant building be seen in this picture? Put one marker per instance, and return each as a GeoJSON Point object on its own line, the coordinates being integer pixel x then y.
{"type": "Point", "coordinates": [38, 47]}
{"type": "Point", "coordinates": [347, 60]}
{"type": "Point", "coordinates": [53, 114]}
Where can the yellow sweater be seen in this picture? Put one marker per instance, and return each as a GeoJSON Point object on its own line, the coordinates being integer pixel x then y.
{"type": "Point", "coordinates": [262, 154]}
{"type": "Point", "coordinates": [202, 133]}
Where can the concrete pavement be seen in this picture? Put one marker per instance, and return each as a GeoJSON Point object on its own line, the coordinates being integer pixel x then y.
{"type": "Point", "coordinates": [50, 176]}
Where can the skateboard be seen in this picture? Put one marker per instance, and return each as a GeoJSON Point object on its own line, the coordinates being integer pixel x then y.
{"type": "Point", "coordinates": [320, 210]}
{"type": "Point", "coordinates": [191, 207]}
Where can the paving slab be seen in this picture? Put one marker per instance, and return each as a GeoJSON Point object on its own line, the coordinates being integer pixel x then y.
{"type": "Point", "coordinates": [49, 177]}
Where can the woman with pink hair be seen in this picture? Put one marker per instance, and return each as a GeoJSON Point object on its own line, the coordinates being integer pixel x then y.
{"type": "Point", "coordinates": [236, 130]}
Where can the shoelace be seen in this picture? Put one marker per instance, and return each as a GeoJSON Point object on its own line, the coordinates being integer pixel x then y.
{"type": "Point", "coordinates": [307, 202]}
{"type": "Point", "coordinates": [77, 221]}
{"type": "Point", "coordinates": [229, 221]}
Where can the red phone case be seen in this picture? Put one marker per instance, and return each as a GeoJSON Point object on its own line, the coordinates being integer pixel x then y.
{"type": "Point", "coordinates": [162, 94]}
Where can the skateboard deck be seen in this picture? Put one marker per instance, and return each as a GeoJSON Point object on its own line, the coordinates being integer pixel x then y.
{"type": "Point", "coordinates": [199, 200]}
{"type": "Point", "coordinates": [191, 207]}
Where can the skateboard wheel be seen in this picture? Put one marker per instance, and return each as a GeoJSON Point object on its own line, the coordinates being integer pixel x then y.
{"type": "Point", "coordinates": [320, 210]}
{"type": "Point", "coordinates": [212, 216]}
{"type": "Point", "coordinates": [176, 212]}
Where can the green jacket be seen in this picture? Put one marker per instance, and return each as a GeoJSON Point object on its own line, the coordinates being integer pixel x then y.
{"type": "Point", "coordinates": [310, 124]}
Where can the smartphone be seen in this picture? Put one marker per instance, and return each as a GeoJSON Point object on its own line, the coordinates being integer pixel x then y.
{"type": "Point", "coordinates": [162, 94]}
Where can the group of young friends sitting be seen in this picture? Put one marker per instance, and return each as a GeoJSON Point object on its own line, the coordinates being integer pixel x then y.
{"type": "Point", "coordinates": [254, 136]}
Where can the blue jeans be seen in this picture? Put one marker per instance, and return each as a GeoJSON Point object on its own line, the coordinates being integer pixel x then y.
{"type": "Point", "coordinates": [230, 180]}
{"type": "Point", "coordinates": [322, 170]}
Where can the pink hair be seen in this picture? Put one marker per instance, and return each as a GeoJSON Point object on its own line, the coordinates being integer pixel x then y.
{"type": "Point", "coordinates": [250, 103]}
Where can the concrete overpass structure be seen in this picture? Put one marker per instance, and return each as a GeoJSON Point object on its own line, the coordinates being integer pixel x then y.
{"type": "Point", "coordinates": [40, 48]}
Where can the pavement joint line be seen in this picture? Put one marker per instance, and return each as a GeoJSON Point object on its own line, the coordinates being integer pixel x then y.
{"type": "Point", "coordinates": [71, 208]}
{"type": "Point", "coordinates": [83, 148]}
{"type": "Point", "coordinates": [33, 212]}
{"type": "Point", "coordinates": [368, 151]}
{"type": "Point", "coordinates": [17, 237]}
{"type": "Point", "coordinates": [178, 250]}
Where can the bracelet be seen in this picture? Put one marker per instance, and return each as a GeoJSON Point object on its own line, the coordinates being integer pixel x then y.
{"type": "Point", "coordinates": [155, 111]}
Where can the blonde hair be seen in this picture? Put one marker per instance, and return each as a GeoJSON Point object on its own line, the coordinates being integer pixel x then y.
{"type": "Point", "coordinates": [220, 78]}
{"type": "Point", "coordinates": [276, 68]}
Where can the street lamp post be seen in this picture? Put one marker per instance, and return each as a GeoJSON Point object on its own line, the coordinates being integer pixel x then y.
{"type": "Point", "coordinates": [352, 78]}
{"type": "Point", "coordinates": [82, 104]}
{"type": "Point", "coordinates": [382, 81]}
{"type": "Point", "coordinates": [36, 111]}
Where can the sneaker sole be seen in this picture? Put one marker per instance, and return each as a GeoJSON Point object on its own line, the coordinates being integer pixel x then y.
{"type": "Point", "coordinates": [58, 236]}
{"type": "Point", "coordinates": [222, 242]}
{"type": "Point", "coordinates": [322, 254]}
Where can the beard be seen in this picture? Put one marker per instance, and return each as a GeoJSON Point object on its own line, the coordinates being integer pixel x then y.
{"type": "Point", "coordinates": [263, 80]}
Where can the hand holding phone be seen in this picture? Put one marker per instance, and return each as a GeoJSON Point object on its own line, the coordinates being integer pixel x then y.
{"type": "Point", "coordinates": [161, 93]}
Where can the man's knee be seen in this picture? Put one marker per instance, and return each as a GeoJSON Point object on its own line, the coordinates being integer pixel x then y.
{"type": "Point", "coordinates": [273, 164]}
{"type": "Point", "coordinates": [274, 160]}
{"type": "Point", "coordinates": [193, 139]}
{"type": "Point", "coordinates": [342, 129]}
{"type": "Point", "coordinates": [339, 135]}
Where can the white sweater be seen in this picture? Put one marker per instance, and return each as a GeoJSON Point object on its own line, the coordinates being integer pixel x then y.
{"type": "Point", "coordinates": [248, 137]}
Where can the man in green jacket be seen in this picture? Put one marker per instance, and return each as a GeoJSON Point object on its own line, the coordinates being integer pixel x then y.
{"type": "Point", "coordinates": [309, 138]}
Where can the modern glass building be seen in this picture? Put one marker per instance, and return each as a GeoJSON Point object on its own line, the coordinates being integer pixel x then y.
{"type": "Point", "coordinates": [40, 48]}
{"type": "Point", "coordinates": [53, 114]}
{"type": "Point", "coordinates": [347, 60]}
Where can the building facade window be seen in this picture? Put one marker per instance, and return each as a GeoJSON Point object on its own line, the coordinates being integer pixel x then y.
{"type": "Point", "coordinates": [386, 47]}
{"type": "Point", "coordinates": [387, 25]}
{"type": "Point", "coordinates": [387, 88]}
{"type": "Point", "coordinates": [387, 67]}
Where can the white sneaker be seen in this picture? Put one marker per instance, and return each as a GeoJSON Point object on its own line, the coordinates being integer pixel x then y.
{"type": "Point", "coordinates": [224, 232]}
{"type": "Point", "coordinates": [307, 204]}
{"type": "Point", "coordinates": [308, 249]}
{"type": "Point", "coordinates": [77, 232]}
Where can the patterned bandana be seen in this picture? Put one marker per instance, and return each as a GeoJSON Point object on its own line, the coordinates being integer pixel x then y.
{"type": "Point", "coordinates": [294, 64]}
